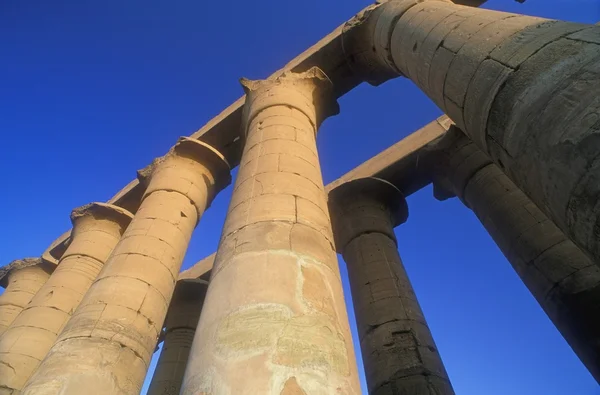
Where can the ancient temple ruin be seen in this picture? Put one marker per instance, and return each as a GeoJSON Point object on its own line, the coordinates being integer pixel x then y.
{"type": "Point", "coordinates": [519, 145]}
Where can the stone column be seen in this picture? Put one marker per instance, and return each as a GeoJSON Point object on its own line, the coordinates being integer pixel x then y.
{"type": "Point", "coordinates": [274, 320]}
{"type": "Point", "coordinates": [180, 326]}
{"type": "Point", "coordinates": [564, 280]}
{"type": "Point", "coordinates": [526, 90]}
{"type": "Point", "coordinates": [106, 346]}
{"type": "Point", "coordinates": [399, 354]}
{"type": "Point", "coordinates": [97, 228]}
{"type": "Point", "coordinates": [21, 279]}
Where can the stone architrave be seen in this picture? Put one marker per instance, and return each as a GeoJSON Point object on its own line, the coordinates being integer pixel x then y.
{"type": "Point", "coordinates": [97, 228]}
{"type": "Point", "coordinates": [274, 320]}
{"type": "Point", "coordinates": [21, 279]}
{"type": "Point", "coordinates": [108, 343]}
{"type": "Point", "coordinates": [180, 326]}
{"type": "Point", "coordinates": [526, 90]}
{"type": "Point", "coordinates": [564, 280]}
{"type": "Point", "coordinates": [399, 353]}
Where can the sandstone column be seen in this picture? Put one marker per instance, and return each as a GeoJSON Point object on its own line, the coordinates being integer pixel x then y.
{"type": "Point", "coordinates": [97, 228]}
{"type": "Point", "coordinates": [564, 280]}
{"type": "Point", "coordinates": [106, 346]}
{"type": "Point", "coordinates": [180, 326]}
{"type": "Point", "coordinates": [526, 90]}
{"type": "Point", "coordinates": [21, 279]}
{"type": "Point", "coordinates": [274, 320]}
{"type": "Point", "coordinates": [399, 354]}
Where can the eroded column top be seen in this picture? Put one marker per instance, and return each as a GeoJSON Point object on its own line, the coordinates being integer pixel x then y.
{"type": "Point", "coordinates": [366, 205]}
{"type": "Point", "coordinates": [186, 304]}
{"type": "Point", "coordinates": [310, 92]}
{"type": "Point", "coordinates": [97, 210]}
{"type": "Point", "coordinates": [456, 159]}
{"type": "Point", "coordinates": [190, 158]}
{"type": "Point", "coordinates": [20, 264]}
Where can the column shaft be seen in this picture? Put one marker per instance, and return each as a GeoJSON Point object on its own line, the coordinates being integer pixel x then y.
{"type": "Point", "coordinates": [564, 280]}
{"type": "Point", "coordinates": [21, 280]}
{"type": "Point", "coordinates": [97, 229]}
{"type": "Point", "coordinates": [526, 90]}
{"type": "Point", "coordinates": [180, 326]}
{"type": "Point", "coordinates": [106, 346]}
{"type": "Point", "coordinates": [399, 353]}
{"type": "Point", "coordinates": [274, 320]}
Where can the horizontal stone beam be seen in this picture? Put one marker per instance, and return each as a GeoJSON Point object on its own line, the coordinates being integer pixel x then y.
{"type": "Point", "coordinates": [400, 163]}
{"type": "Point", "coordinates": [223, 131]}
{"type": "Point", "coordinates": [404, 164]}
{"type": "Point", "coordinates": [200, 270]}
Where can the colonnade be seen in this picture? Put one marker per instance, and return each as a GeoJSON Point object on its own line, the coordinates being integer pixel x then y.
{"type": "Point", "coordinates": [523, 95]}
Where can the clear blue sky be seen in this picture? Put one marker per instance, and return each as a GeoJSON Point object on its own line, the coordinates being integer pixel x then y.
{"type": "Point", "coordinates": [91, 91]}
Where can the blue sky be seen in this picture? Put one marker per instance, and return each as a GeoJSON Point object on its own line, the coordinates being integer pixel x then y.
{"type": "Point", "coordinates": [92, 91]}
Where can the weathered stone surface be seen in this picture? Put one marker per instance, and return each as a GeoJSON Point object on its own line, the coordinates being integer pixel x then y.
{"type": "Point", "coordinates": [97, 228]}
{"type": "Point", "coordinates": [399, 354]}
{"type": "Point", "coordinates": [274, 320]}
{"type": "Point", "coordinates": [180, 326]}
{"type": "Point", "coordinates": [107, 344]}
{"type": "Point", "coordinates": [21, 280]}
{"type": "Point", "coordinates": [201, 269]}
{"type": "Point", "coordinates": [564, 280]}
{"type": "Point", "coordinates": [526, 90]}
{"type": "Point", "coordinates": [345, 55]}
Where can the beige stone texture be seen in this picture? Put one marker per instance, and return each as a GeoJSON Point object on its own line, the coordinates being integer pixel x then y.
{"type": "Point", "coordinates": [526, 90]}
{"type": "Point", "coordinates": [21, 280]}
{"type": "Point", "coordinates": [274, 320]}
{"type": "Point", "coordinates": [180, 326]}
{"type": "Point", "coordinates": [97, 228]}
{"type": "Point", "coordinates": [335, 54]}
{"type": "Point", "coordinates": [201, 269]}
{"type": "Point", "coordinates": [400, 164]}
{"type": "Point", "coordinates": [564, 280]}
{"type": "Point", "coordinates": [399, 354]}
{"type": "Point", "coordinates": [106, 346]}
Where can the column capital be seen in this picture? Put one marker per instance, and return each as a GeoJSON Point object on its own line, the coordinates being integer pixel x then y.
{"type": "Point", "coordinates": [456, 160]}
{"type": "Point", "coordinates": [189, 289]}
{"type": "Point", "coordinates": [366, 205]}
{"type": "Point", "coordinates": [97, 210]}
{"type": "Point", "coordinates": [188, 164]}
{"type": "Point", "coordinates": [186, 304]}
{"type": "Point", "coordinates": [20, 264]}
{"type": "Point", "coordinates": [310, 92]}
{"type": "Point", "coordinates": [97, 227]}
{"type": "Point", "coordinates": [366, 39]}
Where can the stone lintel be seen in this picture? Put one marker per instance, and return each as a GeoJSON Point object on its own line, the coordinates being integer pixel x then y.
{"type": "Point", "coordinates": [402, 164]}
{"type": "Point", "coordinates": [200, 270]}
{"type": "Point", "coordinates": [19, 264]}
{"type": "Point", "coordinates": [223, 131]}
